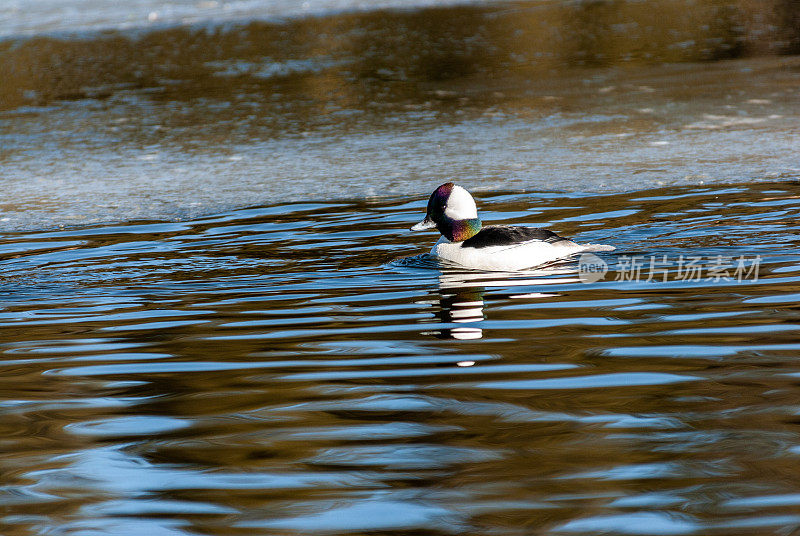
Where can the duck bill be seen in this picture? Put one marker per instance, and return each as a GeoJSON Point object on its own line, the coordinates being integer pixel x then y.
{"type": "Point", "coordinates": [427, 223]}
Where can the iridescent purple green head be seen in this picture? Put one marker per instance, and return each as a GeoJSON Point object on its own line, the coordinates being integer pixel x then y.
{"type": "Point", "coordinates": [453, 212]}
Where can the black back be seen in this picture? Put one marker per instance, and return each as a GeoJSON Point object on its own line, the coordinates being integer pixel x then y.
{"type": "Point", "coordinates": [501, 235]}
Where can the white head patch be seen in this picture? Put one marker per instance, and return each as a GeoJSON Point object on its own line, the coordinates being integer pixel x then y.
{"type": "Point", "coordinates": [460, 205]}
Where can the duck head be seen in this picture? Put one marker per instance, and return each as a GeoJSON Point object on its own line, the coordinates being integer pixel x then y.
{"type": "Point", "coordinates": [452, 211]}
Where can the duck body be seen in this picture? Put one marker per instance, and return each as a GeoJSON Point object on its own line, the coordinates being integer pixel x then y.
{"type": "Point", "coordinates": [467, 243]}
{"type": "Point", "coordinates": [502, 248]}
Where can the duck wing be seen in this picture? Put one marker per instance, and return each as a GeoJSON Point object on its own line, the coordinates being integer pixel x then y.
{"type": "Point", "coordinates": [508, 235]}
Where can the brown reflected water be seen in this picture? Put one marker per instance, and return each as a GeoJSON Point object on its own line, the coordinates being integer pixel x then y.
{"type": "Point", "coordinates": [351, 59]}
{"type": "Point", "coordinates": [277, 369]}
{"type": "Point", "coordinates": [287, 369]}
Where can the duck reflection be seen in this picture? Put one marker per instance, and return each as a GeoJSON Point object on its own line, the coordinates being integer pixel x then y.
{"type": "Point", "coordinates": [461, 295]}
{"type": "Point", "coordinates": [460, 304]}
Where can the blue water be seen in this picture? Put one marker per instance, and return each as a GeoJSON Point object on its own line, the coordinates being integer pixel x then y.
{"type": "Point", "coordinates": [215, 321]}
{"type": "Point", "coordinates": [303, 368]}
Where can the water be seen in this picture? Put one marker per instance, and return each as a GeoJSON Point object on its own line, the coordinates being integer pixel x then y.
{"type": "Point", "coordinates": [302, 368]}
{"type": "Point", "coordinates": [35, 17]}
{"type": "Point", "coordinates": [213, 319]}
{"type": "Point", "coordinates": [215, 106]}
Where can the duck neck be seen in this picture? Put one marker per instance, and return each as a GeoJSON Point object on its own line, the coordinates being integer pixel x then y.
{"type": "Point", "coordinates": [459, 230]}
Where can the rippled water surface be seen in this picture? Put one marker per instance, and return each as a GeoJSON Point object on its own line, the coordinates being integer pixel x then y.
{"type": "Point", "coordinates": [288, 369]}
{"type": "Point", "coordinates": [214, 321]}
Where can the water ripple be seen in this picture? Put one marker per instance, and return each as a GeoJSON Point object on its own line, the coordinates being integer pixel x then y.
{"type": "Point", "coordinates": [271, 370]}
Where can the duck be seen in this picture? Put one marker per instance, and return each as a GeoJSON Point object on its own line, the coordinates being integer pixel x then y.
{"type": "Point", "coordinates": [466, 243]}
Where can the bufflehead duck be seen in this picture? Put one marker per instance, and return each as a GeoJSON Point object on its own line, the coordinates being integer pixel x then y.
{"type": "Point", "coordinates": [452, 210]}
